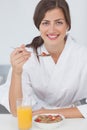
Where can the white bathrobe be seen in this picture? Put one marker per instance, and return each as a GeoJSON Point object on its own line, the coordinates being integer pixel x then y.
{"type": "Point", "coordinates": [62, 84]}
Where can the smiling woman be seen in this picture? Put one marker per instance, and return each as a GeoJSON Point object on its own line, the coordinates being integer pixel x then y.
{"type": "Point", "coordinates": [54, 83]}
{"type": "Point", "coordinates": [53, 28]}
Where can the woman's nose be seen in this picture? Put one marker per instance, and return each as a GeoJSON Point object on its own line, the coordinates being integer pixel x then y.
{"type": "Point", "coordinates": [52, 28]}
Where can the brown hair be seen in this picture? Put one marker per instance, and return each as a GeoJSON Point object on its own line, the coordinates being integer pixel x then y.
{"type": "Point", "coordinates": [40, 11]}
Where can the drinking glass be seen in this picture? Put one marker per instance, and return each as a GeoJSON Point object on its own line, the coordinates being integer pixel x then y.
{"type": "Point", "coordinates": [24, 113]}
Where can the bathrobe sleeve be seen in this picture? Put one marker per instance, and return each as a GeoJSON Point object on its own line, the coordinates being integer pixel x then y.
{"type": "Point", "coordinates": [27, 87]}
{"type": "Point", "coordinates": [28, 91]}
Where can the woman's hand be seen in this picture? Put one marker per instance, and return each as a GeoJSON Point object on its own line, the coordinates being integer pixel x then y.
{"type": "Point", "coordinates": [43, 111]}
{"type": "Point", "coordinates": [18, 57]}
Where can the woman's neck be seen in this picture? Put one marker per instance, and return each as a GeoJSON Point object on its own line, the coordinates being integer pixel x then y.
{"type": "Point", "coordinates": [55, 51]}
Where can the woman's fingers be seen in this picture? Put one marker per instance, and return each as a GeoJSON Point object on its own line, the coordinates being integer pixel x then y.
{"type": "Point", "coordinates": [18, 57]}
{"type": "Point", "coordinates": [18, 50]}
{"type": "Point", "coordinates": [21, 55]}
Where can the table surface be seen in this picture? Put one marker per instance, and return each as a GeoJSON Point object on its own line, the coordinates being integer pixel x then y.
{"type": "Point", "coordinates": [8, 122]}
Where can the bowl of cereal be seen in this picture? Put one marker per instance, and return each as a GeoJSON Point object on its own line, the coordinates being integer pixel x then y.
{"type": "Point", "coordinates": [48, 121]}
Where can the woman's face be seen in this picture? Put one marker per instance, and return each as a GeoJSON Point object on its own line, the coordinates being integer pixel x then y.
{"type": "Point", "coordinates": [53, 27]}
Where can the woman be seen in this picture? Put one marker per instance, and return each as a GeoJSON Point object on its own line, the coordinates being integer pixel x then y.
{"type": "Point", "coordinates": [52, 70]}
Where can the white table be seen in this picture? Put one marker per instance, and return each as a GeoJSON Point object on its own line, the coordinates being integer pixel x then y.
{"type": "Point", "coordinates": [8, 122]}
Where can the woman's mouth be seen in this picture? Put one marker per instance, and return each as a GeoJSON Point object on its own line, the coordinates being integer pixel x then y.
{"type": "Point", "coordinates": [52, 36]}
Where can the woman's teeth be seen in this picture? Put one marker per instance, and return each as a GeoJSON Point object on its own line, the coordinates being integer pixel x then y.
{"type": "Point", "coordinates": [52, 36]}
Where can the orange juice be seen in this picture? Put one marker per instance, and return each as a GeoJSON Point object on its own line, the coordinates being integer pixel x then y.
{"type": "Point", "coordinates": [24, 115]}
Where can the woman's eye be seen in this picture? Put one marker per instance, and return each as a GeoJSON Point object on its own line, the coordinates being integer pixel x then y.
{"type": "Point", "coordinates": [59, 23]}
{"type": "Point", "coordinates": [45, 23]}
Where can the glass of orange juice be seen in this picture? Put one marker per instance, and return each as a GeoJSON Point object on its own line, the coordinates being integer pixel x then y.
{"type": "Point", "coordinates": [24, 113]}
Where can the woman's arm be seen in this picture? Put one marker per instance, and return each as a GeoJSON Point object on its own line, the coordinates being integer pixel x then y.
{"type": "Point", "coordinates": [15, 92]}
{"type": "Point", "coordinates": [72, 112]}
{"type": "Point", "coordinates": [18, 57]}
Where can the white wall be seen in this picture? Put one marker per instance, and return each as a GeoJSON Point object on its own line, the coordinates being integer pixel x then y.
{"type": "Point", "coordinates": [79, 19]}
{"type": "Point", "coordinates": [16, 24]}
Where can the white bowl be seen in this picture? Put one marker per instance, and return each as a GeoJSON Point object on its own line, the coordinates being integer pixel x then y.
{"type": "Point", "coordinates": [48, 126]}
